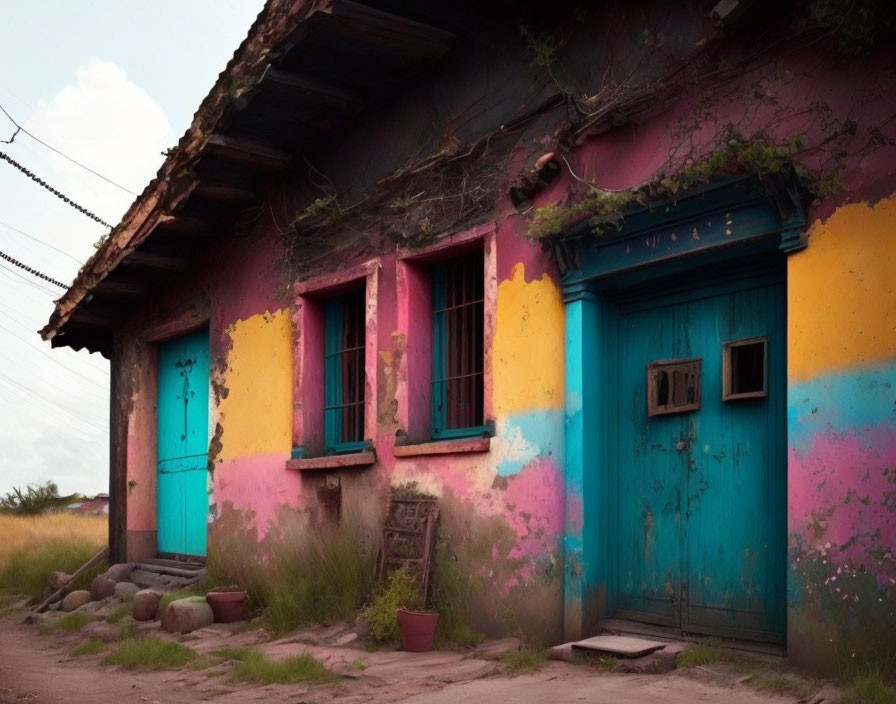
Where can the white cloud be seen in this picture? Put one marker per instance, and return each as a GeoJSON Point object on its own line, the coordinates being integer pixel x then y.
{"type": "Point", "coordinates": [52, 430]}
{"type": "Point", "coordinates": [108, 123]}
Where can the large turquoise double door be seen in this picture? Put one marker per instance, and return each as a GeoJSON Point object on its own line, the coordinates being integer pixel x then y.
{"type": "Point", "coordinates": [699, 482]}
{"type": "Point", "coordinates": [182, 467]}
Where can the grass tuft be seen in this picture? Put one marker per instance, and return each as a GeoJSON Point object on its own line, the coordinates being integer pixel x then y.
{"type": "Point", "coordinates": [792, 685]}
{"type": "Point", "coordinates": [149, 653]}
{"type": "Point", "coordinates": [298, 577]}
{"type": "Point", "coordinates": [89, 647]}
{"type": "Point", "coordinates": [704, 654]}
{"type": "Point", "coordinates": [34, 546]}
{"type": "Point", "coordinates": [255, 667]}
{"type": "Point", "coordinates": [529, 659]}
{"type": "Point", "coordinates": [868, 690]}
{"type": "Point", "coordinates": [118, 613]}
{"type": "Point", "coordinates": [70, 623]}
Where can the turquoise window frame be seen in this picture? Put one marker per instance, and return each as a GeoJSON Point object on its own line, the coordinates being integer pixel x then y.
{"type": "Point", "coordinates": [334, 336]}
{"type": "Point", "coordinates": [441, 352]}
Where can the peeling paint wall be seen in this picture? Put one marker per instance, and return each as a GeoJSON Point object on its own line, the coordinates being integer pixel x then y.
{"type": "Point", "coordinates": [515, 518]}
{"type": "Point", "coordinates": [842, 436]}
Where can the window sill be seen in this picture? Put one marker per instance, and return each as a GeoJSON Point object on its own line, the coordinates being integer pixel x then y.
{"type": "Point", "coordinates": [355, 459]}
{"type": "Point", "coordinates": [443, 447]}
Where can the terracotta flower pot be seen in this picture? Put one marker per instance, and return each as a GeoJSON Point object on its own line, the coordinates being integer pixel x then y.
{"type": "Point", "coordinates": [228, 606]}
{"type": "Point", "coordinates": [417, 629]}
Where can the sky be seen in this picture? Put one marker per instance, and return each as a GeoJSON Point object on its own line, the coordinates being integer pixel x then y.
{"type": "Point", "coordinates": [110, 84]}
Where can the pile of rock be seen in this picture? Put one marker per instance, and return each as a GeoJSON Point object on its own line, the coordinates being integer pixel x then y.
{"type": "Point", "coordinates": [141, 587]}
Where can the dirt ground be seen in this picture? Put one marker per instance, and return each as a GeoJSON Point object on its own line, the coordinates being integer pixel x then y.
{"type": "Point", "coordinates": [37, 669]}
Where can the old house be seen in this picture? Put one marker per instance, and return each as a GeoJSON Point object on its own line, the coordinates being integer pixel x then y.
{"type": "Point", "coordinates": [615, 283]}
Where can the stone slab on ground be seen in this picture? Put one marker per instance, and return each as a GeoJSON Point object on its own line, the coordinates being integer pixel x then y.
{"type": "Point", "coordinates": [75, 599]}
{"type": "Point", "coordinates": [622, 646]}
{"type": "Point", "coordinates": [120, 572]}
{"type": "Point", "coordinates": [101, 587]}
{"type": "Point", "coordinates": [186, 615]}
{"type": "Point", "coordinates": [126, 591]}
{"type": "Point", "coordinates": [145, 604]}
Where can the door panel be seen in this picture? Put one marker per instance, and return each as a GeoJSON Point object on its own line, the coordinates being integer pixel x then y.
{"type": "Point", "coordinates": [182, 499]}
{"type": "Point", "coordinates": [650, 478]}
{"type": "Point", "coordinates": [701, 493]}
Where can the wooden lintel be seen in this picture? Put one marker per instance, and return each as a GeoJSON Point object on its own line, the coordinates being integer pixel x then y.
{"type": "Point", "coordinates": [155, 261]}
{"type": "Point", "coordinates": [118, 288]}
{"type": "Point", "coordinates": [246, 151]}
{"type": "Point", "coordinates": [296, 83]}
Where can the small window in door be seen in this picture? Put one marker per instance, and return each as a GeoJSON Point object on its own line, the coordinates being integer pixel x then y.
{"type": "Point", "coordinates": [744, 369]}
{"type": "Point", "coordinates": [673, 386]}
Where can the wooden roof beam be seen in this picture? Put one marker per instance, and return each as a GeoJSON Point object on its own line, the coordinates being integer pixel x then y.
{"type": "Point", "coordinates": [226, 194]}
{"type": "Point", "coordinates": [121, 289]}
{"type": "Point", "coordinates": [155, 261]}
{"type": "Point", "coordinates": [246, 151]}
{"type": "Point", "coordinates": [293, 83]}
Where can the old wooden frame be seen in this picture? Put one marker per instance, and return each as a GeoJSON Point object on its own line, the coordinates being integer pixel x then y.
{"type": "Point", "coordinates": [727, 368]}
{"type": "Point", "coordinates": [671, 367]}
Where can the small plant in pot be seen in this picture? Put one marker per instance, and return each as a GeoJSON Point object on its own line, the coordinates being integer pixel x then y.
{"type": "Point", "coordinates": [396, 612]}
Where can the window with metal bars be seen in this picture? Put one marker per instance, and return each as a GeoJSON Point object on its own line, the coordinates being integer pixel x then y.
{"type": "Point", "coordinates": [344, 378]}
{"type": "Point", "coordinates": [457, 380]}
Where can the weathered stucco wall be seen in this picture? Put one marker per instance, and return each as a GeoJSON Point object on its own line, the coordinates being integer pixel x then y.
{"type": "Point", "coordinates": [507, 512]}
{"type": "Point", "coordinates": [842, 437]}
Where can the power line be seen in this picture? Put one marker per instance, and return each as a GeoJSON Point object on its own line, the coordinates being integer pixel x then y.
{"type": "Point", "coordinates": [54, 359]}
{"type": "Point", "coordinates": [46, 404]}
{"type": "Point", "coordinates": [31, 270]}
{"type": "Point", "coordinates": [31, 283]}
{"type": "Point", "coordinates": [19, 128]}
{"type": "Point", "coordinates": [40, 241]}
{"type": "Point", "coordinates": [61, 196]}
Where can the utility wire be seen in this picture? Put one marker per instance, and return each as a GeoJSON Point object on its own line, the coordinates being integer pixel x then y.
{"type": "Point", "coordinates": [46, 403]}
{"type": "Point", "coordinates": [19, 128]}
{"type": "Point", "coordinates": [55, 357]}
{"type": "Point", "coordinates": [4, 268]}
{"type": "Point", "coordinates": [52, 190]}
{"type": "Point", "coordinates": [40, 241]}
{"type": "Point", "coordinates": [31, 270]}
{"type": "Point", "coordinates": [96, 383]}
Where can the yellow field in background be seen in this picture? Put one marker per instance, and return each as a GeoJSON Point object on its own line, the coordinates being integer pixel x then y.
{"type": "Point", "coordinates": [32, 533]}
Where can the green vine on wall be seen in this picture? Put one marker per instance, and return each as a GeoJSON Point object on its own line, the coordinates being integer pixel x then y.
{"type": "Point", "coordinates": [733, 155]}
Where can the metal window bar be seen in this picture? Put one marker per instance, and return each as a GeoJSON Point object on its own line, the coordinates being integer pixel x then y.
{"type": "Point", "coordinates": [344, 373]}
{"type": "Point", "coordinates": [458, 298]}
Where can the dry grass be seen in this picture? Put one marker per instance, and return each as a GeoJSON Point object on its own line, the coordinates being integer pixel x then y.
{"type": "Point", "coordinates": [34, 546]}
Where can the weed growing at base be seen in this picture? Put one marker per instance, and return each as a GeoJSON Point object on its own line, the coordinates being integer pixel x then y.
{"type": "Point", "coordinates": [528, 659]}
{"type": "Point", "coordinates": [149, 653]}
{"type": "Point", "coordinates": [868, 690]}
{"type": "Point", "coordinates": [296, 576]}
{"type": "Point", "coordinates": [70, 623]}
{"type": "Point", "coordinates": [253, 666]}
{"type": "Point", "coordinates": [90, 647]}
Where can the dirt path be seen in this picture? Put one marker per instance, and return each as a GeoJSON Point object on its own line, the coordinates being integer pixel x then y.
{"type": "Point", "coordinates": [37, 669]}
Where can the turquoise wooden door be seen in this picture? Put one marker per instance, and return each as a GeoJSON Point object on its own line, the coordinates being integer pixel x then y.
{"type": "Point", "coordinates": [182, 498]}
{"type": "Point", "coordinates": [701, 493]}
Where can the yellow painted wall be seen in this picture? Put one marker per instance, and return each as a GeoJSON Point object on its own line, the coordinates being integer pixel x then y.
{"type": "Point", "coordinates": [527, 355]}
{"type": "Point", "coordinates": [842, 292]}
{"type": "Point", "coordinates": [257, 413]}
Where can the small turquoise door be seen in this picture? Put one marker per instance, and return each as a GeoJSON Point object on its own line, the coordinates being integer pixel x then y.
{"type": "Point", "coordinates": [182, 498]}
{"type": "Point", "coordinates": [700, 486]}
